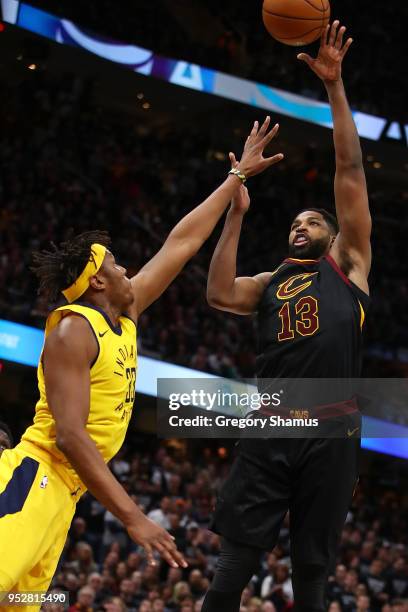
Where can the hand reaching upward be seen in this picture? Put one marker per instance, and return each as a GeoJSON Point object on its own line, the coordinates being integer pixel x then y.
{"type": "Point", "coordinates": [252, 161]}
{"type": "Point", "coordinates": [327, 64]}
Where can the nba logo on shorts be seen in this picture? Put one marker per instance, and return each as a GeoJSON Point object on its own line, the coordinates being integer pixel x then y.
{"type": "Point", "coordinates": [44, 482]}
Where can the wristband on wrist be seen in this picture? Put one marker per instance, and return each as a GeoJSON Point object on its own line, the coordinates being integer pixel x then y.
{"type": "Point", "coordinates": [237, 172]}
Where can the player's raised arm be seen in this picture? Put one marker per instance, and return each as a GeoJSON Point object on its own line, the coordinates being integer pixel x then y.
{"type": "Point", "coordinates": [69, 351]}
{"type": "Point", "coordinates": [351, 249]}
{"type": "Point", "coordinates": [192, 231]}
{"type": "Point", "coordinates": [225, 291]}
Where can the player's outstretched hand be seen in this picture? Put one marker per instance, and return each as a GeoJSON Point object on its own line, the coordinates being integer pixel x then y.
{"type": "Point", "coordinates": [327, 64]}
{"type": "Point", "coordinates": [252, 160]}
{"type": "Point", "coordinates": [154, 538]}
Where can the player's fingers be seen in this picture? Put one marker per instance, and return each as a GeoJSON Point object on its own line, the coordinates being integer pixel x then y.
{"type": "Point", "coordinates": [149, 554]}
{"type": "Point", "coordinates": [179, 559]}
{"type": "Point", "coordinates": [325, 33]}
{"type": "Point", "coordinates": [333, 32]}
{"type": "Point", "coordinates": [270, 161]}
{"type": "Point", "coordinates": [233, 160]}
{"type": "Point", "coordinates": [264, 127]}
{"type": "Point", "coordinates": [242, 192]}
{"type": "Point", "coordinates": [167, 556]}
{"type": "Point", "coordinates": [339, 39]}
{"type": "Point", "coordinates": [254, 130]}
{"type": "Point", "coordinates": [304, 57]}
{"type": "Point", "coordinates": [175, 555]}
{"type": "Point", "coordinates": [346, 47]}
{"type": "Point", "coordinates": [170, 544]}
{"type": "Point", "coordinates": [270, 135]}
{"type": "Point", "coordinates": [168, 540]}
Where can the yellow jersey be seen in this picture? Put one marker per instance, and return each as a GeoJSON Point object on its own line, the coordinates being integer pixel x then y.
{"type": "Point", "coordinates": [112, 389]}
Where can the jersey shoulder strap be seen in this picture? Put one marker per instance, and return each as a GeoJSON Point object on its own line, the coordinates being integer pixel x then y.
{"type": "Point", "coordinates": [362, 297]}
{"type": "Point", "coordinates": [94, 317]}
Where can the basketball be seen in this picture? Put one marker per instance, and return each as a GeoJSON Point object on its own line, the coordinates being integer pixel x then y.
{"type": "Point", "coordinates": [296, 22]}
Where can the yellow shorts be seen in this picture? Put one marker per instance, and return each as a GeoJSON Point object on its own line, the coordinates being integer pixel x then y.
{"type": "Point", "coordinates": [36, 510]}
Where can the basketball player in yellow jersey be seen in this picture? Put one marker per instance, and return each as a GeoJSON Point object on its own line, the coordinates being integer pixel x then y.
{"type": "Point", "coordinates": [86, 378]}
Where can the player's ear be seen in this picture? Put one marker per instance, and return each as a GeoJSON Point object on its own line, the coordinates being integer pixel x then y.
{"type": "Point", "coordinates": [97, 282]}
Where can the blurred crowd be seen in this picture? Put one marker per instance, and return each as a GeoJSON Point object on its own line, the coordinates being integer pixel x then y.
{"type": "Point", "coordinates": [235, 41]}
{"type": "Point", "coordinates": [66, 163]}
{"type": "Point", "coordinates": [103, 570]}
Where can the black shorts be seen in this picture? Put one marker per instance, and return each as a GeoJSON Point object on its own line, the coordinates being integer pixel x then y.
{"type": "Point", "coordinates": [312, 478]}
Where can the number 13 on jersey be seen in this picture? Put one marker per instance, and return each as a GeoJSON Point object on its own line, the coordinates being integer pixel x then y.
{"type": "Point", "coordinates": [305, 321]}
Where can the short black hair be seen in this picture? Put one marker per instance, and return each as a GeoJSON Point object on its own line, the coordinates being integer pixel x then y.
{"type": "Point", "coordinates": [330, 219]}
{"type": "Point", "coordinates": [6, 429]}
{"type": "Point", "coordinates": [59, 268]}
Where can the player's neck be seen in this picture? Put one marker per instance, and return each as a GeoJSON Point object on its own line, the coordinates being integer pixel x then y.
{"type": "Point", "coordinates": [112, 312]}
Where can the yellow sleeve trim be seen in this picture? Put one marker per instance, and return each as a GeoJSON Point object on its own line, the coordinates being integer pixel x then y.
{"type": "Point", "coordinates": [277, 269]}
{"type": "Point", "coordinates": [362, 315]}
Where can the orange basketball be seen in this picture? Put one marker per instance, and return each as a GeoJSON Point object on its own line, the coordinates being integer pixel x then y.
{"type": "Point", "coordinates": [296, 22]}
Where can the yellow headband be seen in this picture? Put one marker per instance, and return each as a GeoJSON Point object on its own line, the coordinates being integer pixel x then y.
{"type": "Point", "coordinates": [92, 267]}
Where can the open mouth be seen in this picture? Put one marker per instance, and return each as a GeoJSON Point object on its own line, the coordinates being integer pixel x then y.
{"type": "Point", "coordinates": [300, 240]}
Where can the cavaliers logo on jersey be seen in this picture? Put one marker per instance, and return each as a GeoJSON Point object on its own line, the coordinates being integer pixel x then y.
{"type": "Point", "coordinates": [294, 285]}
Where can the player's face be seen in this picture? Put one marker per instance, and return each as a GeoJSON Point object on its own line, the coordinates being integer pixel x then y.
{"type": "Point", "coordinates": [310, 236]}
{"type": "Point", "coordinates": [118, 284]}
{"type": "Point", "coordinates": [5, 442]}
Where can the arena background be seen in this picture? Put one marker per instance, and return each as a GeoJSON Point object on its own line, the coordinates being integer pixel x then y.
{"type": "Point", "coordinates": [132, 145]}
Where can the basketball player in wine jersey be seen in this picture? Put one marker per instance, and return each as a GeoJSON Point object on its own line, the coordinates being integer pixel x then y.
{"type": "Point", "coordinates": [86, 378]}
{"type": "Point", "coordinates": [310, 314]}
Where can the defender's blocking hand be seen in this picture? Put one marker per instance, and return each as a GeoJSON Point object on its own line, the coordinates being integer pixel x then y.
{"type": "Point", "coordinates": [252, 161]}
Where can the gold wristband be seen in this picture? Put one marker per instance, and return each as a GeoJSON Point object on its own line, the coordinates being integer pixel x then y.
{"type": "Point", "coordinates": [239, 174]}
